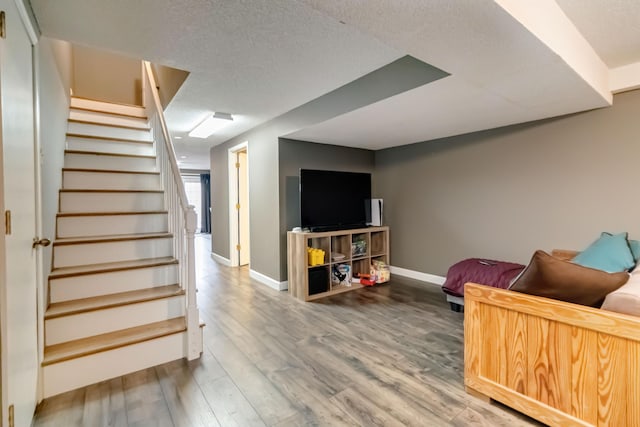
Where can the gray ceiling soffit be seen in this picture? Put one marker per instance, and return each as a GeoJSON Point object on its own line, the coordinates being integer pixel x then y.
{"type": "Point", "coordinates": [399, 76]}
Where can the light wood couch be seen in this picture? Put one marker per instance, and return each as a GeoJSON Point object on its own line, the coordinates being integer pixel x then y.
{"type": "Point", "coordinates": [560, 363]}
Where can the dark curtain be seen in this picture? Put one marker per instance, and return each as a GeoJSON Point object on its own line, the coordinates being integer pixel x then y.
{"type": "Point", "coordinates": [205, 188]}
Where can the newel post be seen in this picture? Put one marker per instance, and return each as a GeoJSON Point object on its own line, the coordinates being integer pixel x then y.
{"type": "Point", "coordinates": [194, 334]}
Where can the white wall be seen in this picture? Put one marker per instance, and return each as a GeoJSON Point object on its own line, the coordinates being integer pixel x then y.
{"type": "Point", "coordinates": [55, 74]}
{"type": "Point", "coordinates": [169, 81]}
{"type": "Point", "coordinates": [106, 76]}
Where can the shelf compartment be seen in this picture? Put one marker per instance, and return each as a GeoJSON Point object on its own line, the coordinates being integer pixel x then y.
{"type": "Point", "coordinates": [344, 273]}
{"type": "Point", "coordinates": [359, 245]}
{"type": "Point", "coordinates": [378, 243]}
{"type": "Point", "coordinates": [322, 243]}
{"type": "Point", "coordinates": [318, 280]}
{"type": "Point", "coordinates": [341, 244]}
{"type": "Point", "coordinates": [362, 266]}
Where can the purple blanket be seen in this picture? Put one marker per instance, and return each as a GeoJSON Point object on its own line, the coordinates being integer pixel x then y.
{"type": "Point", "coordinates": [483, 271]}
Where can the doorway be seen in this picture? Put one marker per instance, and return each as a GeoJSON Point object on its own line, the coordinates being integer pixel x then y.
{"type": "Point", "coordinates": [193, 189]}
{"type": "Point", "coordinates": [18, 166]}
{"type": "Point", "coordinates": [239, 235]}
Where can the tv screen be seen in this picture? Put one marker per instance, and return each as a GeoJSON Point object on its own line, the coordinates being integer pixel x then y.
{"type": "Point", "coordinates": [331, 200]}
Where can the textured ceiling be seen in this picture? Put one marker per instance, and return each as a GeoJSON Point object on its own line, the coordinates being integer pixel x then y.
{"type": "Point", "coordinates": [501, 74]}
{"type": "Point", "coordinates": [253, 59]}
{"type": "Point", "coordinates": [612, 27]}
{"type": "Point", "coordinates": [260, 59]}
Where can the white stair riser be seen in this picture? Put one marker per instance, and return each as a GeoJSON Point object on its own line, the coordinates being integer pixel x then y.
{"type": "Point", "coordinates": [80, 180]}
{"type": "Point", "coordinates": [83, 325]}
{"type": "Point", "coordinates": [98, 253]}
{"type": "Point", "coordinates": [108, 107]}
{"type": "Point", "coordinates": [108, 131]}
{"type": "Point", "coordinates": [111, 202]}
{"type": "Point", "coordinates": [106, 162]}
{"type": "Point", "coordinates": [75, 373]}
{"type": "Point", "coordinates": [92, 285]}
{"type": "Point", "coordinates": [106, 118]}
{"type": "Point", "coordinates": [104, 146]}
{"type": "Point", "coordinates": [105, 225]}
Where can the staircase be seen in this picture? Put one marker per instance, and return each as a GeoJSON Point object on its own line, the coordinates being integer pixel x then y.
{"type": "Point", "coordinates": [116, 301]}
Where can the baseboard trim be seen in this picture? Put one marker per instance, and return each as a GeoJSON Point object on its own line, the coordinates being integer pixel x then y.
{"type": "Point", "coordinates": [431, 279]}
{"type": "Point", "coordinates": [272, 283]}
{"type": "Point", "coordinates": [220, 259]}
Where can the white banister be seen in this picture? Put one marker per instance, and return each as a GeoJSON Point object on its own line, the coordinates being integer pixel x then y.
{"type": "Point", "coordinates": [194, 349]}
{"type": "Point", "coordinates": [182, 216]}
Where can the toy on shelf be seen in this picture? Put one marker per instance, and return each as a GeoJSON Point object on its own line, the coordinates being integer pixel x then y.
{"type": "Point", "coordinates": [358, 248]}
{"type": "Point", "coordinates": [367, 279]}
{"type": "Point", "coordinates": [381, 271]}
{"type": "Point", "coordinates": [316, 256]}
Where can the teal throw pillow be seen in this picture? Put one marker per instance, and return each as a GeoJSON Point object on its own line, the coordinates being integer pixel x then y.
{"type": "Point", "coordinates": [635, 249]}
{"type": "Point", "coordinates": [610, 253]}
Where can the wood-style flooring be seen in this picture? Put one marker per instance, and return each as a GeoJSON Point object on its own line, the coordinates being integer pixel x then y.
{"type": "Point", "coordinates": [390, 355]}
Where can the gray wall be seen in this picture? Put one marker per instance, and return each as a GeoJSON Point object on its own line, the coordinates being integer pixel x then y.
{"type": "Point", "coordinates": [263, 199]}
{"type": "Point", "coordinates": [296, 155]}
{"type": "Point", "coordinates": [264, 178]}
{"type": "Point", "coordinates": [504, 193]}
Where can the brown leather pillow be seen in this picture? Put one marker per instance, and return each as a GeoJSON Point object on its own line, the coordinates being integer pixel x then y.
{"type": "Point", "coordinates": [550, 277]}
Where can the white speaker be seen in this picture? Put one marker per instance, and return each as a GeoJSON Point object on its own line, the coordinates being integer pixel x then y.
{"type": "Point", "coordinates": [374, 212]}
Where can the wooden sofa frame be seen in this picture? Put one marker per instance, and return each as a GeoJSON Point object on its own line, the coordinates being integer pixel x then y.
{"type": "Point", "coordinates": [560, 363]}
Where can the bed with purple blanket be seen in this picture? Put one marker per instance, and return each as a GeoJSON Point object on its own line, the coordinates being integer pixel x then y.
{"type": "Point", "coordinates": [498, 274]}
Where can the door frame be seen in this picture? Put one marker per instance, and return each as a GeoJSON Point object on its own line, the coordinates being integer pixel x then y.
{"type": "Point", "coordinates": [4, 385]}
{"type": "Point", "coordinates": [33, 34]}
{"type": "Point", "coordinates": [233, 196]}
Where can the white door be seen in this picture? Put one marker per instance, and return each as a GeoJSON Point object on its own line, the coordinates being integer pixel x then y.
{"type": "Point", "coordinates": [243, 211]}
{"type": "Point", "coordinates": [19, 313]}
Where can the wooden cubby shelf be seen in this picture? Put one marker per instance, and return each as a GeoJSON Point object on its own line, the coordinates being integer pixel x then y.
{"type": "Point", "coordinates": [360, 247]}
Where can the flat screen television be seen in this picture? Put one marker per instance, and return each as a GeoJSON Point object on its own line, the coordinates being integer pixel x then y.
{"type": "Point", "coordinates": [332, 200]}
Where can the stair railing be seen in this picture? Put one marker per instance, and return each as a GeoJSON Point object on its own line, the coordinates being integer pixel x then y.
{"type": "Point", "coordinates": [182, 215]}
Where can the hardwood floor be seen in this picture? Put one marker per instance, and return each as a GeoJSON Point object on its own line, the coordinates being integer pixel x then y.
{"type": "Point", "coordinates": [385, 356]}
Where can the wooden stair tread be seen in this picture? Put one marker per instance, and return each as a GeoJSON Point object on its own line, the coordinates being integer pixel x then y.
{"type": "Point", "coordinates": [95, 110]}
{"type": "Point", "coordinates": [108, 171]}
{"type": "Point", "coordinates": [83, 214]}
{"type": "Point", "coordinates": [84, 305]}
{"type": "Point", "coordinates": [112, 238]}
{"type": "Point", "coordinates": [111, 125]}
{"type": "Point", "coordinates": [109, 341]}
{"type": "Point", "coordinates": [98, 190]}
{"type": "Point", "coordinates": [108, 138]}
{"type": "Point", "coordinates": [102, 153]}
{"type": "Point", "coordinates": [109, 267]}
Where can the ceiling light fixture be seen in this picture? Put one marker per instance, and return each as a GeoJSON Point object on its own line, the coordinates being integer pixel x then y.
{"type": "Point", "coordinates": [177, 137]}
{"type": "Point", "coordinates": [211, 124]}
